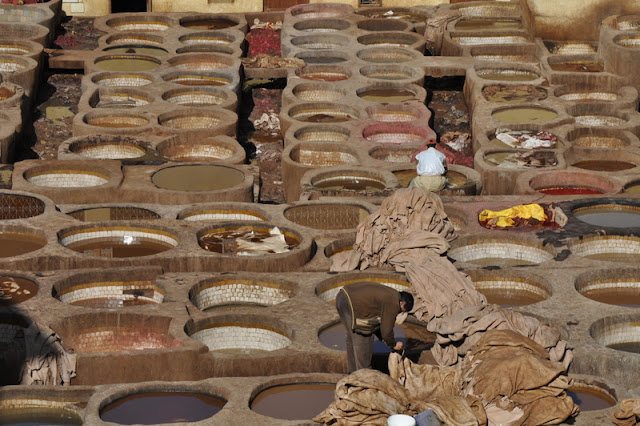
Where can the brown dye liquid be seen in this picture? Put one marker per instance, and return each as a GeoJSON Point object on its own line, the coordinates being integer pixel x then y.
{"type": "Point", "coordinates": [590, 400]}
{"type": "Point", "coordinates": [633, 347]}
{"type": "Point", "coordinates": [162, 407]}
{"type": "Point", "coordinates": [322, 60]}
{"type": "Point", "coordinates": [405, 176]}
{"type": "Point", "coordinates": [577, 66]}
{"type": "Point", "coordinates": [197, 178]}
{"type": "Point", "coordinates": [200, 81]}
{"type": "Point", "coordinates": [15, 290]}
{"type": "Point", "coordinates": [208, 24]}
{"type": "Point", "coordinates": [140, 50]}
{"type": "Point", "coordinates": [569, 190]}
{"type": "Point", "coordinates": [225, 242]}
{"type": "Point", "coordinates": [108, 303]}
{"type": "Point", "coordinates": [126, 64]}
{"type": "Point", "coordinates": [14, 243]}
{"type": "Point", "coordinates": [386, 95]}
{"type": "Point", "coordinates": [524, 115]}
{"type": "Point", "coordinates": [607, 216]}
{"type": "Point", "coordinates": [300, 401]}
{"type": "Point", "coordinates": [507, 76]}
{"type": "Point", "coordinates": [627, 297]}
{"type": "Point", "coordinates": [5, 93]}
{"type": "Point", "coordinates": [604, 165]}
{"type": "Point", "coordinates": [36, 416]}
{"type": "Point", "coordinates": [350, 184]}
{"type": "Point", "coordinates": [487, 24]}
{"type": "Point", "coordinates": [633, 188]}
{"type": "Point", "coordinates": [513, 94]}
{"type": "Point", "coordinates": [388, 75]}
{"type": "Point", "coordinates": [116, 248]}
{"type": "Point", "coordinates": [510, 297]}
{"type": "Point", "coordinates": [323, 76]}
{"type": "Point", "coordinates": [323, 118]}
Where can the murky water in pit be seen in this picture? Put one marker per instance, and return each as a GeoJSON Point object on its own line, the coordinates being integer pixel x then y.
{"type": "Point", "coordinates": [300, 401]}
{"type": "Point", "coordinates": [15, 243]}
{"type": "Point", "coordinates": [197, 178]}
{"type": "Point", "coordinates": [140, 50]}
{"type": "Point", "coordinates": [386, 95]}
{"type": "Point", "coordinates": [162, 407]}
{"type": "Point", "coordinates": [38, 416]}
{"type": "Point", "coordinates": [604, 165]}
{"type": "Point", "coordinates": [15, 290]}
{"type": "Point", "coordinates": [569, 190]}
{"type": "Point", "coordinates": [627, 297]}
{"type": "Point", "coordinates": [590, 400]}
{"type": "Point", "coordinates": [524, 115]}
{"type": "Point", "coordinates": [123, 63]}
{"type": "Point", "coordinates": [208, 24]}
{"type": "Point", "coordinates": [510, 297]}
{"type": "Point", "coordinates": [356, 183]}
{"type": "Point", "coordinates": [487, 24]}
{"type": "Point", "coordinates": [118, 248]}
{"type": "Point", "coordinates": [633, 347]}
{"type": "Point", "coordinates": [613, 216]}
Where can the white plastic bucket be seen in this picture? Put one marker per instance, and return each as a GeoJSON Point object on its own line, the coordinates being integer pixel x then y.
{"type": "Point", "coordinates": [401, 420]}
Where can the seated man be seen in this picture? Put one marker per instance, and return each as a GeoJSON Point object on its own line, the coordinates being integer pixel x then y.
{"type": "Point", "coordinates": [365, 309]}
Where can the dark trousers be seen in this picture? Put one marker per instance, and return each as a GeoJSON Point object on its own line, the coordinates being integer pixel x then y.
{"type": "Point", "coordinates": [359, 346]}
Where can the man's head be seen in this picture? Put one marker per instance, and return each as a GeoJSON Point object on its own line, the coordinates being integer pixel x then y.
{"type": "Point", "coordinates": [406, 301]}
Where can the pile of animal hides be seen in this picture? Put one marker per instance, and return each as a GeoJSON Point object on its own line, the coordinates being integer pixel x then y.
{"type": "Point", "coordinates": [495, 366]}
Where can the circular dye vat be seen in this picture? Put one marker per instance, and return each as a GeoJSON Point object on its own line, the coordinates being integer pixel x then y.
{"type": "Point", "coordinates": [349, 183]}
{"type": "Point", "coordinates": [414, 337]}
{"type": "Point", "coordinates": [248, 240]}
{"type": "Point", "coordinates": [577, 66]}
{"type": "Point", "coordinates": [310, 155]}
{"type": "Point", "coordinates": [65, 178]}
{"type": "Point", "coordinates": [207, 24]}
{"type": "Point", "coordinates": [150, 408]}
{"type": "Point", "coordinates": [99, 214]}
{"type": "Point", "coordinates": [236, 337]}
{"type": "Point", "coordinates": [207, 38]}
{"type": "Point", "coordinates": [127, 63]}
{"type": "Point", "coordinates": [609, 215]}
{"type": "Point", "coordinates": [36, 416]}
{"type": "Point", "coordinates": [482, 24]}
{"type": "Point", "coordinates": [321, 25]}
{"type": "Point", "coordinates": [14, 290]}
{"type": "Point", "coordinates": [116, 121]}
{"type": "Point", "coordinates": [191, 120]}
{"type": "Point", "coordinates": [201, 62]}
{"type": "Point", "coordinates": [322, 134]}
{"type": "Point", "coordinates": [319, 10]}
{"type": "Point", "coordinates": [402, 15]}
{"type": "Point", "coordinates": [323, 75]}
{"type": "Point", "coordinates": [620, 333]}
{"type": "Point", "coordinates": [387, 56]}
{"type": "Point", "coordinates": [311, 113]}
{"type": "Point", "coordinates": [386, 95]}
{"type": "Point", "coordinates": [571, 48]}
{"type": "Point", "coordinates": [338, 247]}
{"type": "Point", "coordinates": [12, 65]}
{"type": "Point", "coordinates": [327, 216]}
{"type": "Point", "coordinates": [198, 80]}
{"type": "Point", "coordinates": [317, 93]}
{"type": "Point", "coordinates": [137, 49]}
{"type": "Point", "coordinates": [20, 206]}
{"type": "Point", "coordinates": [511, 291]}
{"type": "Point", "coordinates": [620, 288]}
{"type": "Point", "coordinates": [507, 75]}
{"type": "Point", "coordinates": [115, 150]}
{"type": "Point", "coordinates": [609, 248]}
{"type": "Point", "coordinates": [377, 24]}
{"type": "Point", "coordinates": [198, 177]}
{"type": "Point", "coordinates": [590, 398]}
{"type": "Point", "coordinates": [328, 289]}
{"type": "Point", "coordinates": [598, 142]}
{"type": "Point", "coordinates": [632, 188]}
{"type": "Point", "coordinates": [17, 243]}
{"type": "Point", "coordinates": [527, 139]}
{"type": "Point", "coordinates": [511, 159]}
{"type": "Point", "coordinates": [13, 48]}
{"type": "Point", "coordinates": [397, 133]}
{"type": "Point", "coordinates": [6, 93]}
{"type": "Point", "coordinates": [299, 401]}
{"type": "Point", "coordinates": [239, 291]}
{"type": "Point", "coordinates": [205, 151]}
{"type": "Point", "coordinates": [599, 120]}
{"type": "Point", "coordinates": [313, 42]}
{"type": "Point", "coordinates": [590, 96]}
{"type": "Point", "coordinates": [499, 93]}
{"type": "Point", "coordinates": [150, 23]}
{"type": "Point", "coordinates": [390, 39]}
{"type": "Point", "coordinates": [569, 190]}
{"type": "Point", "coordinates": [110, 294]}
{"type": "Point", "coordinates": [604, 165]}
{"type": "Point", "coordinates": [524, 115]}
{"type": "Point", "coordinates": [202, 97]}
{"type": "Point", "coordinates": [118, 242]}
{"type": "Point", "coordinates": [124, 99]}
{"type": "Point", "coordinates": [223, 215]}
{"type": "Point", "coordinates": [490, 252]}
{"type": "Point", "coordinates": [128, 80]}
{"type": "Point", "coordinates": [318, 58]}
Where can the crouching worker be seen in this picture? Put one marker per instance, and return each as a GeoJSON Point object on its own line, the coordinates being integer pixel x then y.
{"type": "Point", "coordinates": [430, 169]}
{"type": "Point", "coordinates": [365, 309]}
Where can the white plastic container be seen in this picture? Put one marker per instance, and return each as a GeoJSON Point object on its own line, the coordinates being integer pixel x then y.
{"type": "Point", "coordinates": [401, 420]}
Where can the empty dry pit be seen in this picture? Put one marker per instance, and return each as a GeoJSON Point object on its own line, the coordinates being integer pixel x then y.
{"type": "Point", "coordinates": [600, 120]}
{"type": "Point", "coordinates": [321, 25]}
{"type": "Point", "coordinates": [510, 288]}
{"type": "Point", "coordinates": [16, 289]}
{"type": "Point", "coordinates": [71, 177]}
{"type": "Point", "coordinates": [391, 73]}
{"type": "Point", "coordinates": [119, 98]}
{"type": "Point", "coordinates": [248, 239]}
{"type": "Point", "coordinates": [146, 22]}
{"type": "Point", "coordinates": [322, 112]}
{"type": "Point", "coordinates": [319, 10]}
{"type": "Point", "coordinates": [327, 216]}
{"type": "Point", "coordinates": [224, 213]}
{"type": "Point", "coordinates": [127, 63]}
{"type": "Point", "coordinates": [399, 133]}
{"type": "Point", "coordinates": [318, 92]}
{"type": "Point", "coordinates": [196, 119]}
{"type": "Point", "coordinates": [293, 401]}
{"type": "Point", "coordinates": [122, 79]}
{"type": "Point", "coordinates": [388, 55]}
{"type": "Point", "coordinates": [572, 183]}
{"type": "Point", "coordinates": [322, 134]}
{"type": "Point", "coordinates": [198, 78]}
{"type": "Point", "coordinates": [16, 206]}
{"type": "Point", "coordinates": [519, 159]}
{"type": "Point", "coordinates": [117, 241]}
{"type": "Point", "coordinates": [205, 96]}
{"type": "Point", "coordinates": [197, 177]}
{"type": "Point", "coordinates": [136, 49]}
{"type": "Point", "coordinates": [201, 62]}
{"type": "Point", "coordinates": [323, 73]}
{"type": "Point", "coordinates": [209, 22]}
{"type": "Point", "coordinates": [25, 31]}
{"type": "Point", "coordinates": [36, 410]}
{"type": "Point", "coordinates": [621, 332]}
{"type": "Point", "coordinates": [15, 241]}
{"type": "Point", "coordinates": [338, 246]}
{"type": "Point", "coordinates": [135, 38]}
{"type": "Point", "coordinates": [614, 215]}
{"type": "Point", "coordinates": [523, 114]}
{"type": "Point", "coordinates": [499, 251]}
{"type": "Point", "coordinates": [106, 147]}
{"type": "Point", "coordinates": [241, 290]}
{"type": "Point", "coordinates": [393, 39]}
{"type": "Point", "coordinates": [388, 93]}
{"type": "Point", "coordinates": [209, 38]}
{"type": "Point", "coordinates": [393, 14]}
{"type": "Point", "coordinates": [102, 332]}
{"type": "Point", "coordinates": [116, 120]}
{"type": "Point", "coordinates": [98, 214]}
{"type": "Point", "coordinates": [323, 56]}
{"type": "Point", "coordinates": [320, 154]}
{"type": "Point", "coordinates": [327, 290]}
{"type": "Point", "coordinates": [213, 149]}
{"type": "Point", "coordinates": [161, 406]}
{"type": "Point", "coordinates": [240, 334]}
{"type": "Point", "coordinates": [620, 287]}
{"type": "Point", "coordinates": [110, 290]}
{"type": "Point", "coordinates": [610, 248]}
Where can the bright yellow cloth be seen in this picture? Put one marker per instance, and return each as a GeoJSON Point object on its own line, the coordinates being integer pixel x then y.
{"type": "Point", "coordinates": [504, 218]}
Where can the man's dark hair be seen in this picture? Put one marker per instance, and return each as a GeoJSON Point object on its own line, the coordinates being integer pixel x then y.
{"type": "Point", "coordinates": [408, 299]}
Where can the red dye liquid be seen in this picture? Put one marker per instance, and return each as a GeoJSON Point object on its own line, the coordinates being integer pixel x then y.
{"type": "Point", "coordinates": [567, 190]}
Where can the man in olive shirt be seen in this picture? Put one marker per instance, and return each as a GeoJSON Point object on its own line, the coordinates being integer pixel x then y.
{"type": "Point", "coordinates": [365, 309]}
